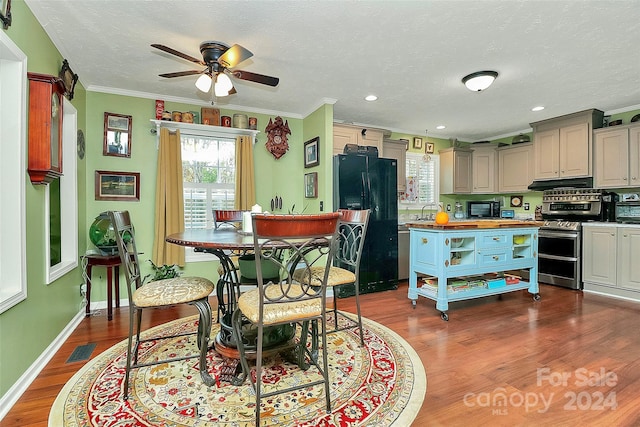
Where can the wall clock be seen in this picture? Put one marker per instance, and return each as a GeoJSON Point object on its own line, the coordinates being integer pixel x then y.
{"type": "Point", "coordinates": [277, 132]}
{"type": "Point", "coordinates": [45, 128]}
{"type": "Point", "coordinates": [516, 201]}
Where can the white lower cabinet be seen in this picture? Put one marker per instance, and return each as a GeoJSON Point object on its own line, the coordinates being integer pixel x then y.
{"type": "Point", "coordinates": [611, 259]}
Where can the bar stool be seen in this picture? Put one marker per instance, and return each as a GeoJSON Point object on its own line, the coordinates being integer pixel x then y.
{"type": "Point", "coordinates": [111, 263]}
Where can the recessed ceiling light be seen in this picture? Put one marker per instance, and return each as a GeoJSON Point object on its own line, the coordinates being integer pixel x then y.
{"type": "Point", "coordinates": [371, 97]}
{"type": "Point", "coordinates": [440, 127]}
{"type": "Point", "coordinates": [538, 108]}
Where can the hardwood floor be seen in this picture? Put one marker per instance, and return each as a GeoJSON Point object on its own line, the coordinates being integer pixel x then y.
{"type": "Point", "coordinates": [571, 359]}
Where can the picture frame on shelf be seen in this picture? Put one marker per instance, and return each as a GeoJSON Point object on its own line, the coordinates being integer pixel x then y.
{"type": "Point", "coordinates": [69, 79]}
{"type": "Point", "coordinates": [312, 152]}
{"type": "Point", "coordinates": [117, 135]}
{"type": "Point", "coordinates": [311, 185]}
{"type": "Point", "coordinates": [417, 143]}
{"type": "Point", "coordinates": [5, 14]}
{"type": "Point", "coordinates": [429, 148]}
{"type": "Point", "coordinates": [112, 185]}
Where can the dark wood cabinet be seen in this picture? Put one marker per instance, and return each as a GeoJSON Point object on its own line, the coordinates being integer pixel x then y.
{"type": "Point", "coordinates": [45, 128]}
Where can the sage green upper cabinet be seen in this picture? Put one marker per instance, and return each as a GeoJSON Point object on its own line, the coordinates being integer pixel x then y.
{"type": "Point", "coordinates": [515, 168]}
{"type": "Point", "coordinates": [617, 157]}
{"type": "Point", "coordinates": [484, 170]}
{"type": "Point", "coordinates": [563, 145]}
{"type": "Point", "coordinates": [456, 171]}
{"type": "Point", "coordinates": [346, 134]}
{"type": "Point", "coordinates": [393, 149]}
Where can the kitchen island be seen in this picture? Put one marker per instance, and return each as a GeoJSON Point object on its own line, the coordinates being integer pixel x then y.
{"type": "Point", "coordinates": [468, 259]}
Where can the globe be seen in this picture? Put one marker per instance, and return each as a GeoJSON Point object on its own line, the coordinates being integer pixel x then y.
{"type": "Point", "coordinates": [103, 235]}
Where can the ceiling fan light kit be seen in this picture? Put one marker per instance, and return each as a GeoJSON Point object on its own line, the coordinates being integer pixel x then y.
{"type": "Point", "coordinates": [223, 85]}
{"type": "Point", "coordinates": [204, 82]}
{"type": "Point", "coordinates": [479, 80]}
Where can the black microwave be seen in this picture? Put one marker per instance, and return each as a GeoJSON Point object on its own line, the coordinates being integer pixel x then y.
{"type": "Point", "coordinates": [477, 209]}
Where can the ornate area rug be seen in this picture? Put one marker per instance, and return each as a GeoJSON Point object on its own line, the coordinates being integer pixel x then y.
{"type": "Point", "coordinates": [381, 384]}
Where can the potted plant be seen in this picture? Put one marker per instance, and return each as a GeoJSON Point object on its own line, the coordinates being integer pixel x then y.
{"type": "Point", "coordinates": [161, 272]}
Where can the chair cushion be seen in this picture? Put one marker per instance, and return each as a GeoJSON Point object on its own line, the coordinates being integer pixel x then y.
{"type": "Point", "coordinates": [248, 303]}
{"type": "Point", "coordinates": [172, 291]}
{"type": "Point", "coordinates": [337, 276]}
{"type": "Point", "coordinates": [234, 261]}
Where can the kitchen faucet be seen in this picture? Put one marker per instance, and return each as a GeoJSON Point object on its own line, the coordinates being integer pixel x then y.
{"type": "Point", "coordinates": [431, 216]}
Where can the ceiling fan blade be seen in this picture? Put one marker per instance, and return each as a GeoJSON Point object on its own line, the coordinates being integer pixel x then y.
{"type": "Point", "coordinates": [234, 55]}
{"type": "Point", "coordinates": [181, 73]}
{"type": "Point", "coordinates": [254, 77]}
{"type": "Point", "coordinates": [179, 54]}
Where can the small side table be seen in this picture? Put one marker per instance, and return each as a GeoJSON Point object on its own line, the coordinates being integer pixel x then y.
{"type": "Point", "coordinates": [111, 263]}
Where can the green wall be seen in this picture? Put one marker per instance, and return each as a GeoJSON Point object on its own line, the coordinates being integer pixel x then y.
{"type": "Point", "coordinates": [30, 326]}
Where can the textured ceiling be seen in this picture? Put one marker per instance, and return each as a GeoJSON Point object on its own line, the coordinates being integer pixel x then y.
{"type": "Point", "coordinates": [565, 55]}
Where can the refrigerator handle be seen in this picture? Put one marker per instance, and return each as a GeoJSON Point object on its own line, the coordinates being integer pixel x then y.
{"type": "Point", "coordinates": [364, 195]}
{"type": "Point", "coordinates": [368, 190]}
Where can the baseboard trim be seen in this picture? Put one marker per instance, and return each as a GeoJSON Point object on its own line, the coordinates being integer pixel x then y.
{"type": "Point", "coordinates": [19, 387]}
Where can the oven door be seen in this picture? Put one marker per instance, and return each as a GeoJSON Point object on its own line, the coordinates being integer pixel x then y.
{"type": "Point", "coordinates": [559, 260]}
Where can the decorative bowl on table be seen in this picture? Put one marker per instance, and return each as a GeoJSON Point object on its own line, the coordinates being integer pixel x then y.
{"type": "Point", "coordinates": [456, 242]}
{"type": "Point", "coordinates": [103, 235]}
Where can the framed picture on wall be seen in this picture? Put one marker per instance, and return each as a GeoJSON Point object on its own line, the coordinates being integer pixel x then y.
{"type": "Point", "coordinates": [430, 148]}
{"type": "Point", "coordinates": [110, 185]}
{"type": "Point", "coordinates": [117, 135]}
{"type": "Point", "coordinates": [417, 143]}
{"type": "Point", "coordinates": [312, 152]}
{"type": "Point", "coordinates": [69, 79]}
{"type": "Point", "coordinates": [311, 185]}
{"type": "Point", "coordinates": [5, 13]}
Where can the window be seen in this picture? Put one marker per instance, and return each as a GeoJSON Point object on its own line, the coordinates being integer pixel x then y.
{"type": "Point", "coordinates": [208, 171]}
{"type": "Point", "coordinates": [422, 180]}
{"type": "Point", "coordinates": [61, 204]}
{"type": "Point", "coordinates": [13, 119]}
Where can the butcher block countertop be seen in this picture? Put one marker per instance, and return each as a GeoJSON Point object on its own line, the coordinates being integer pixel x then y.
{"type": "Point", "coordinates": [482, 223]}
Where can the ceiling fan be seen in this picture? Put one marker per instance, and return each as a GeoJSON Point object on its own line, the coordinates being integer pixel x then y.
{"type": "Point", "coordinates": [218, 58]}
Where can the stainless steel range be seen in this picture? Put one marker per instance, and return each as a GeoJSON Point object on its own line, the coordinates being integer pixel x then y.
{"type": "Point", "coordinates": [560, 238]}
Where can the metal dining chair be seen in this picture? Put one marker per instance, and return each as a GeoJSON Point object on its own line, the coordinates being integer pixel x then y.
{"type": "Point", "coordinates": [352, 230]}
{"type": "Point", "coordinates": [161, 293]}
{"type": "Point", "coordinates": [225, 217]}
{"type": "Point", "coordinates": [308, 240]}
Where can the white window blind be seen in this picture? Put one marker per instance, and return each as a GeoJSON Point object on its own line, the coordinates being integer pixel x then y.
{"type": "Point", "coordinates": [422, 180]}
{"type": "Point", "coordinates": [208, 171]}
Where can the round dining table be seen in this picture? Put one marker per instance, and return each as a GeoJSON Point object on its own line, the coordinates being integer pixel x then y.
{"type": "Point", "coordinates": [226, 243]}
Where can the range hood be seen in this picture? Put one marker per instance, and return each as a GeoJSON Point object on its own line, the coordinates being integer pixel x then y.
{"type": "Point", "coordinates": [586, 182]}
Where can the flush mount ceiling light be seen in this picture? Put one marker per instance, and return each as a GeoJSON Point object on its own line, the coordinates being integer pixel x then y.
{"type": "Point", "coordinates": [480, 80]}
{"type": "Point", "coordinates": [440, 127]}
{"type": "Point", "coordinates": [370, 98]}
{"type": "Point", "coordinates": [538, 108]}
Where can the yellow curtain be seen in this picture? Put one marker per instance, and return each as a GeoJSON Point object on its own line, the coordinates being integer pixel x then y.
{"type": "Point", "coordinates": [169, 200]}
{"type": "Point", "coordinates": [245, 179]}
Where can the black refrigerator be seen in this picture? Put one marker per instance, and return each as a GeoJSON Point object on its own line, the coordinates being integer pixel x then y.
{"type": "Point", "coordinates": [369, 182]}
